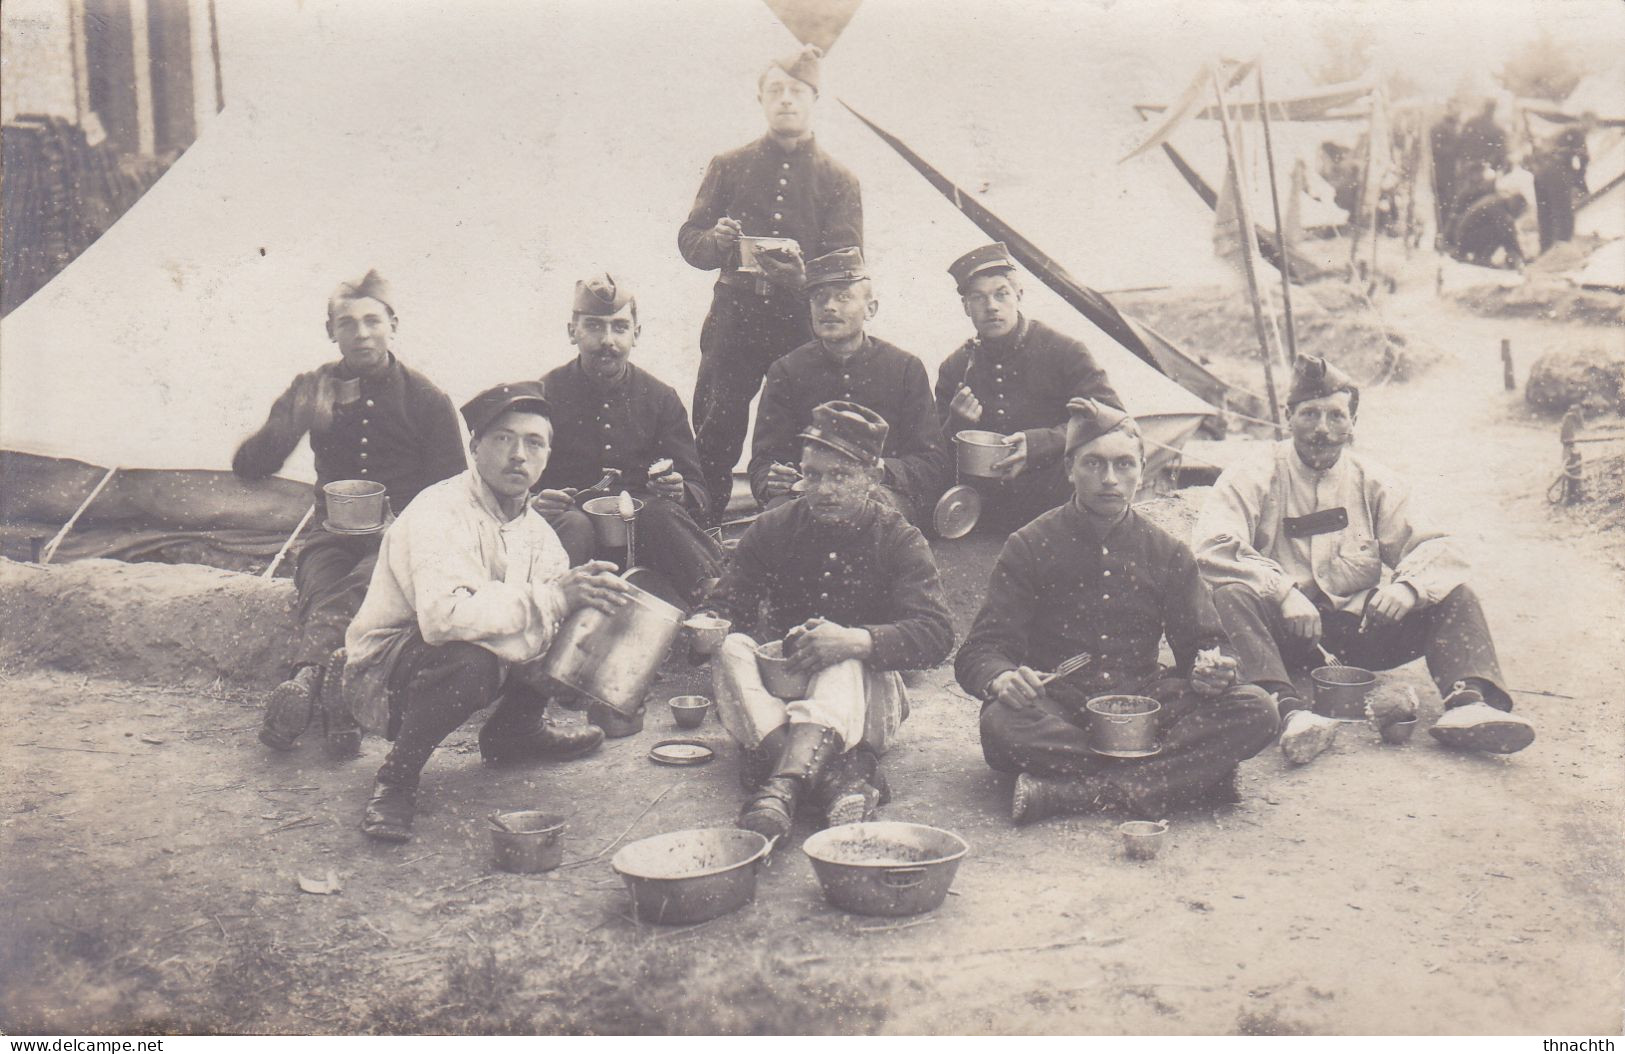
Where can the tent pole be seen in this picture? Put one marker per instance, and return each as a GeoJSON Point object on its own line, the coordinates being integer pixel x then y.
{"type": "Point", "coordinates": [51, 546]}
{"type": "Point", "coordinates": [1280, 230]}
{"type": "Point", "coordinates": [276, 561]}
{"type": "Point", "coordinates": [1245, 222]}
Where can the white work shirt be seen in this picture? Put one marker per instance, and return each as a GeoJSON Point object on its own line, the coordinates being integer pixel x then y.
{"type": "Point", "coordinates": [457, 569]}
{"type": "Point", "coordinates": [1240, 540]}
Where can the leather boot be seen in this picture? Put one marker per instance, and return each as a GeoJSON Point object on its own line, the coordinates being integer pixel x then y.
{"type": "Point", "coordinates": [757, 763]}
{"type": "Point", "coordinates": [807, 749]}
{"type": "Point", "coordinates": [289, 707]}
{"type": "Point", "coordinates": [1039, 797]}
{"type": "Point", "coordinates": [521, 729]}
{"type": "Point", "coordinates": [342, 730]}
{"type": "Point", "coordinates": [852, 788]}
{"type": "Point", "coordinates": [388, 816]}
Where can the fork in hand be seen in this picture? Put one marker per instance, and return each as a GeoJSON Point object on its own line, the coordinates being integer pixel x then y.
{"type": "Point", "coordinates": [1067, 668]}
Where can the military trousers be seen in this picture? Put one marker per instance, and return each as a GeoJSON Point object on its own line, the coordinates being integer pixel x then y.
{"type": "Point", "coordinates": [330, 579]}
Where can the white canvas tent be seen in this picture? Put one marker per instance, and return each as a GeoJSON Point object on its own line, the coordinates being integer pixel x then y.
{"type": "Point", "coordinates": [482, 156]}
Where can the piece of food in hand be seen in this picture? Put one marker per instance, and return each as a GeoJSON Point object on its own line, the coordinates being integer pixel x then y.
{"type": "Point", "coordinates": [1212, 660]}
{"type": "Point", "coordinates": [661, 468]}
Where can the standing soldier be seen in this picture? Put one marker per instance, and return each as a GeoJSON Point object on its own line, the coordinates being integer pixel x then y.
{"type": "Point", "coordinates": [610, 414]}
{"type": "Point", "coordinates": [369, 417]}
{"type": "Point", "coordinates": [780, 186]}
{"type": "Point", "coordinates": [1014, 378]}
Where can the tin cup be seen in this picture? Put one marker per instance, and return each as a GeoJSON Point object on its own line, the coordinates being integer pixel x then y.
{"type": "Point", "coordinates": [527, 842]}
{"type": "Point", "coordinates": [1142, 838]}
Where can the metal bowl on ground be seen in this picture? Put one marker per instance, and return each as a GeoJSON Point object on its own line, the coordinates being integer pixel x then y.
{"type": "Point", "coordinates": [1340, 691]}
{"type": "Point", "coordinates": [528, 841]}
{"type": "Point", "coordinates": [1123, 724]}
{"type": "Point", "coordinates": [354, 504]}
{"type": "Point", "coordinates": [976, 452]}
{"type": "Point", "coordinates": [608, 526]}
{"type": "Point", "coordinates": [776, 674]}
{"type": "Point", "coordinates": [885, 867]}
{"type": "Point", "coordinates": [691, 876]}
{"type": "Point", "coordinates": [689, 710]}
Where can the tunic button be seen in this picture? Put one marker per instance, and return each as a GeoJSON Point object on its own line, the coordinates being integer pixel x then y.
{"type": "Point", "coordinates": [823, 596]}
{"type": "Point", "coordinates": [363, 470]}
{"type": "Point", "coordinates": [606, 424]}
{"type": "Point", "coordinates": [363, 439]}
{"type": "Point", "coordinates": [778, 197]}
{"type": "Point", "coordinates": [1104, 551]}
{"type": "Point", "coordinates": [369, 402]}
{"type": "Point", "coordinates": [363, 455]}
{"type": "Point", "coordinates": [786, 164]}
{"type": "Point", "coordinates": [778, 215]}
{"type": "Point", "coordinates": [1108, 574]}
{"type": "Point", "coordinates": [832, 556]}
{"type": "Point", "coordinates": [783, 181]}
{"type": "Point", "coordinates": [1104, 637]}
{"type": "Point", "coordinates": [606, 446]}
{"type": "Point", "coordinates": [1105, 596]}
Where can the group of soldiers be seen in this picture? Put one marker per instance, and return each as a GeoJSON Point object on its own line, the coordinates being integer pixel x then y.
{"type": "Point", "coordinates": [450, 608]}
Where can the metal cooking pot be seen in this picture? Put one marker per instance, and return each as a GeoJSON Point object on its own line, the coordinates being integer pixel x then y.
{"type": "Point", "coordinates": [1340, 691]}
{"type": "Point", "coordinates": [607, 524]}
{"type": "Point", "coordinates": [1123, 723]}
{"type": "Point", "coordinates": [885, 868]}
{"type": "Point", "coordinates": [354, 504]}
{"type": "Point", "coordinates": [977, 451]}
{"type": "Point", "coordinates": [613, 658]}
{"type": "Point", "coordinates": [776, 675]}
{"type": "Point", "coordinates": [691, 876]}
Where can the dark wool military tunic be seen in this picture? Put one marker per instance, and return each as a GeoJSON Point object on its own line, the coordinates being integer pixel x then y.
{"type": "Point", "coordinates": [628, 424]}
{"type": "Point", "coordinates": [1059, 589]}
{"type": "Point", "coordinates": [881, 376]}
{"type": "Point", "coordinates": [802, 194]}
{"type": "Point", "coordinates": [1023, 383]}
{"type": "Point", "coordinates": [876, 573]}
{"type": "Point", "coordinates": [402, 432]}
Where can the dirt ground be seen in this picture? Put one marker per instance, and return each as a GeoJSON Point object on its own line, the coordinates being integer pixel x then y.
{"type": "Point", "coordinates": [151, 848]}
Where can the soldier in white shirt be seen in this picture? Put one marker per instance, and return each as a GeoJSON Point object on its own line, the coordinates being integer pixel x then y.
{"type": "Point", "coordinates": [470, 587]}
{"type": "Point", "coordinates": [1314, 546]}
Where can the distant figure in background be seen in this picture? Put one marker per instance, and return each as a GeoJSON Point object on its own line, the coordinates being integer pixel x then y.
{"type": "Point", "coordinates": [369, 417]}
{"type": "Point", "coordinates": [1491, 225]}
{"type": "Point", "coordinates": [608, 413]}
{"type": "Point", "coordinates": [846, 363]}
{"type": "Point", "coordinates": [780, 186]}
{"type": "Point", "coordinates": [1014, 377]}
{"type": "Point", "coordinates": [1559, 169]}
{"type": "Point", "coordinates": [1445, 140]}
{"type": "Point", "coordinates": [1483, 143]}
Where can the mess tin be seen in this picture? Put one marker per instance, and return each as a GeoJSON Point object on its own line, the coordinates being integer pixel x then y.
{"type": "Point", "coordinates": [977, 452]}
{"type": "Point", "coordinates": [749, 246]}
{"type": "Point", "coordinates": [354, 504]}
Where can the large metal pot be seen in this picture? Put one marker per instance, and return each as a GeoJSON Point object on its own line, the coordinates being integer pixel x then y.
{"type": "Point", "coordinates": [885, 868]}
{"type": "Point", "coordinates": [1123, 724]}
{"type": "Point", "coordinates": [1340, 691]}
{"type": "Point", "coordinates": [691, 876]}
{"type": "Point", "coordinates": [613, 658]}
{"type": "Point", "coordinates": [354, 504]}
{"type": "Point", "coordinates": [776, 674]}
{"type": "Point", "coordinates": [977, 452]}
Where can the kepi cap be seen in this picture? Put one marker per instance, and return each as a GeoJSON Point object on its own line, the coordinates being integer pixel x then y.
{"type": "Point", "coordinates": [850, 429]}
{"type": "Point", "coordinates": [600, 295]}
{"type": "Point", "coordinates": [995, 257]}
{"type": "Point", "coordinates": [842, 265]}
{"type": "Point", "coordinates": [1089, 419]}
{"type": "Point", "coordinates": [482, 410]}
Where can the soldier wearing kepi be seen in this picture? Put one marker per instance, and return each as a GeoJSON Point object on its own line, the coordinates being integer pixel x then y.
{"type": "Point", "coordinates": [610, 414]}
{"type": "Point", "coordinates": [852, 589]}
{"type": "Point", "coordinates": [1094, 577]}
{"type": "Point", "coordinates": [369, 417]}
{"type": "Point", "coordinates": [470, 587]}
{"type": "Point", "coordinates": [780, 186]}
{"type": "Point", "coordinates": [1295, 544]}
{"type": "Point", "coordinates": [1014, 378]}
{"type": "Point", "coordinates": [845, 363]}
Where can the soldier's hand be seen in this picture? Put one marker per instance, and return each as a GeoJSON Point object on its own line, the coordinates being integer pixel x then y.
{"type": "Point", "coordinates": [965, 404]}
{"type": "Point", "coordinates": [827, 643]}
{"type": "Point", "coordinates": [780, 478]}
{"type": "Point", "coordinates": [1018, 688]}
{"type": "Point", "coordinates": [594, 584]}
{"type": "Point", "coordinates": [551, 503]}
{"type": "Point", "coordinates": [1014, 463]}
{"type": "Point", "coordinates": [727, 231]}
{"type": "Point", "coordinates": [782, 267]}
{"type": "Point", "coordinates": [1213, 675]}
{"type": "Point", "coordinates": [1389, 604]}
{"type": "Point", "coordinates": [1301, 616]}
{"type": "Point", "coordinates": [669, 486]}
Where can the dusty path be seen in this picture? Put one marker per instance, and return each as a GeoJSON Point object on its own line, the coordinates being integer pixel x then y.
{"type": "Point", "coordinates": [1389, 890]}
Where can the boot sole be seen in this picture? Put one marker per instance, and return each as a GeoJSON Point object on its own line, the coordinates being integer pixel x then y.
{"type": "Point", "coordinates": [286, 701]}
{"type": "Point", "coordinates": [853, 807]}
{"type": "Point", "coordinates": [383, 832]}
{"type": "Point", "coordinates": [546, 754]}
{"type": "Point", "coordinates": [1490, 737]}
